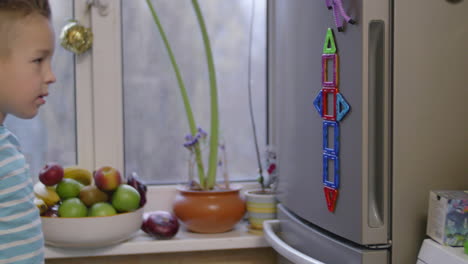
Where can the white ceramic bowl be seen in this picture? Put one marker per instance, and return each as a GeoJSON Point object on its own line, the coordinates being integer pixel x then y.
{"type": "Point", "coordinates": [90, 232]}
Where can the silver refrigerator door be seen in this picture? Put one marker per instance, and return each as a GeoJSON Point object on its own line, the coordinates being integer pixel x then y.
{"type": "Point", "coordinates": [299, 243]}
{"type": "Point", "coordinates": [297, 30]}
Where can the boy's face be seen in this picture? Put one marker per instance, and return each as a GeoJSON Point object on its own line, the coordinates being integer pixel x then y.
{"type": "Point", "coordinates": [26, 72]}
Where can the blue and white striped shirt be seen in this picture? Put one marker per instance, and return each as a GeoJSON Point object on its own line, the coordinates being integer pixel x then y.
{"type": "Point", "coordinates": [21, 239]}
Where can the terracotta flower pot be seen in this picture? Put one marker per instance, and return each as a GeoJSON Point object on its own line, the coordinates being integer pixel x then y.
{"type": "Point", "coordinates": [209, 211]}
{"type": "Point", "coordinates": [261, 206]}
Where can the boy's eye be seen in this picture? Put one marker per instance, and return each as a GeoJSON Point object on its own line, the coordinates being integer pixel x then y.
{"type": "Point", "coordinates": [38, 60]}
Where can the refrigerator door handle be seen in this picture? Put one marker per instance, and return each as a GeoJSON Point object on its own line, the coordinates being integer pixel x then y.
{"type": "Point", "coordinates": [377, 114]}
{"type": "Point", "coordinates": [378, 126]}
{"type": "Point", "coordinates": [270, 227]}
{"type": "Point", "coordinates": [376, 121]}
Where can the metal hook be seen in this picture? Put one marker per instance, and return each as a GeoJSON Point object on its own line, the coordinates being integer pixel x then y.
{"type": "Point", "coordinates": [101, 5]}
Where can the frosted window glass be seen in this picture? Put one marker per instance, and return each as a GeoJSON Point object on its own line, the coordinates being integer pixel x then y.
{"type": "Point", "coordinates": [51, 135]}
{"type": "Point", "coordinates": [154, 117]}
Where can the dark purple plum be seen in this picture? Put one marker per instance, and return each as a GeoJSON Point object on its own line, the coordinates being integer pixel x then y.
{"type": "Point", "coordinates": [160, 224]}
{"type": "Point", "coordinates": [134, 181]}
{"type": "Point", "coordinates": [51, 211]}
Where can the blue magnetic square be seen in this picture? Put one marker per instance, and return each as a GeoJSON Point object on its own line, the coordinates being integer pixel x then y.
{"type": "Point", "coordinates": [336, 137]}
{"type": "Point", "coordinates": [336, 177]}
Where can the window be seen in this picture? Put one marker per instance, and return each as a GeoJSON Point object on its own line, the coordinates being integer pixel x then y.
{"type": "Point", "coordinates": [154, 116]}
{"type": "Point", "coordinates": [129, 112]}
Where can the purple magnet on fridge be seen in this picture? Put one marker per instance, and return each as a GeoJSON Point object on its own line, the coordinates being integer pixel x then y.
{"type": "Point", "coordinates": [339, 13]}
{"type": "Point", "coordinates": [342, 107]}
{"type": "Point", "coordinates": [332, 150]}
{"type": "Point", "coordinates": [329, 46]}
{"type": "Point", "coordinates": [336, 176]}
{"type": "Point", "coordinates": [318, 102]}
{"type": "Point", "coordinates": [326, 82]}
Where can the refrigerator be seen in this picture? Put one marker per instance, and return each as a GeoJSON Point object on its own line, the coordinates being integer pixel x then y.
{"type": "Point", "coordinates": [366, 121]}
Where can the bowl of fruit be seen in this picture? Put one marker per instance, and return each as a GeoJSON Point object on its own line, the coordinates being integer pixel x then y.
{"type": "Point", "coordinates": [81, 209]}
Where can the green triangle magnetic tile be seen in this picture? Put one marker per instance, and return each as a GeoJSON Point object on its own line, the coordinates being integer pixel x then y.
{"type": "Point", "coordinates": [329, 46]}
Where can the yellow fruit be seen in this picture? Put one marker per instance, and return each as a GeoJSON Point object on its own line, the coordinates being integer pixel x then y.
{"type": "Point", "coordinates": [47, 194]}
{"type": "Point", "coordinates": [41, 205]}
{"type": "Point", "coordinates": [84, 176]}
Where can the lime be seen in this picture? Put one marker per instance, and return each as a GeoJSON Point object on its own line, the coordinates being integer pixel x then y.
{"type": "Point", "coordinates": [102, 209]}
{"type": "Point", "coordinates": [126, 198]}
{"type": "Point", "coordinates": [72, 207]}
{"type": "Point", "coordinates": [68, 188]}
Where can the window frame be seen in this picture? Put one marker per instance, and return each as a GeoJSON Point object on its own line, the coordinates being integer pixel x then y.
{"type": "Point", "coordinates": [83, 96]}
{"type": "Point", "coordinates": [99, 104]}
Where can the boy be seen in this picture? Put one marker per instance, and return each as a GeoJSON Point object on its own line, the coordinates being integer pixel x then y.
{"type": "Point", "coordinates": [26, 48]}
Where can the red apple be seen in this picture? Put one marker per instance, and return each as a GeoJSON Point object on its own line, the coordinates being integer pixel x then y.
{"type": "Point", "coordinates": [107, 178]}
{"type": "Point", "coordinates": [51, 174]}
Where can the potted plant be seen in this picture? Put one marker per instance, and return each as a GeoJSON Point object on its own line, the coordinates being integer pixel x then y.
{"type": "Point", "coordinates": [202, 205]}
{"type": "Point", "coordinates": [261, 202]}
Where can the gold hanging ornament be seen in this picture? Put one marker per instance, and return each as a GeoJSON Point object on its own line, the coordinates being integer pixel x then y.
{"type": "Point", "coordinates": [76, 38]}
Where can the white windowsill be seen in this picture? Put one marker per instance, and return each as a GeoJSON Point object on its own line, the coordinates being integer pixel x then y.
{"type": "Point", "coordinates": [183, 241]}
{"type": "Point", "coordinates": [160, 198]}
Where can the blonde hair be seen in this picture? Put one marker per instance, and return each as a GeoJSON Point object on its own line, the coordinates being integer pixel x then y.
{"type": "Point", "coordinates": [11, 11]}
{"type": "Point", "coordinates": [26, 7]}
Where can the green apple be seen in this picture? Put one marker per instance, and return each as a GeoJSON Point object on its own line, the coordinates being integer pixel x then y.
{"type": "Point", "coordinates": [126, 198]}
{"type": "Point", "coordinates": [72, 207]}
{"type": "Point", "coordinates": [102, 209]}
{"type": "Point", "coordinates": [68, 188]}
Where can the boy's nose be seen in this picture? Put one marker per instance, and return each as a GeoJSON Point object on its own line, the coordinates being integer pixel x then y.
{"type": "Point", "coordinates": [50, 76]}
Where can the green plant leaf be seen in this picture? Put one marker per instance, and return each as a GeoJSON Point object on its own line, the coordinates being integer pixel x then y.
{"type": "Point", "coordinates": [183, 92]}
{"type": "Point", "coordinates": [214, 130]}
